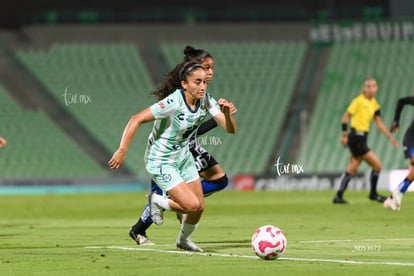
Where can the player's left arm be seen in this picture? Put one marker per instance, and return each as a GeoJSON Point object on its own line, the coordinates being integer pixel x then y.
{"type": "Point", "coordinates": [211, 123]}
{"type": "Point", "coordinates": [383, 128]}
{"type": "Point", "coordinates": [225, 118]}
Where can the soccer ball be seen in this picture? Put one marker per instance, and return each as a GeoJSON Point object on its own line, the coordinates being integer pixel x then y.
{"type": "Point", "coordinates": [269, 242]}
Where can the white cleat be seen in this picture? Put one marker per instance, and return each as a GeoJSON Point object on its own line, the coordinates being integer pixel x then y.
{"type": "Point", "coordinates": [394, 202]}
{"type": "Point", "coordinates": [389, 204]}
{"type": "Point", "coordinates": [188, 245]}
{"type": "Point", "coordinates": [397, 198]}
{"type": "Point", "coordinates": [142, 240]}
{"type": "Point", "coordinates": [156, 212]}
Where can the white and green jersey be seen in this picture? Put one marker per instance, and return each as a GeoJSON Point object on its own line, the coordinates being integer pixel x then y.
{"type": "Point", "coordinates": [175, 123]}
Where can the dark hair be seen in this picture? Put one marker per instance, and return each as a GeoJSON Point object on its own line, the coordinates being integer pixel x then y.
{"type": "Point", "coordinates": [172, 80]}
{"type": "Point", "coordinates": [197, 55]}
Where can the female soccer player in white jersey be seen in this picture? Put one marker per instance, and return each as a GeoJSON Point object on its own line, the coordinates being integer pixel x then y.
{"type": "Point", "coordinates": [213, 176]}
{"type": "Point", "coordinates": [167, 157]}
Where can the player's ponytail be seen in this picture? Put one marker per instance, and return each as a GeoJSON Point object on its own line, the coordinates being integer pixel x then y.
{"type": "Point", "coordinates": [170, 84]}
{"type": "Point", "coordinates": [195, 55]}
{"type": "Point", "coordinates": [172, 80]}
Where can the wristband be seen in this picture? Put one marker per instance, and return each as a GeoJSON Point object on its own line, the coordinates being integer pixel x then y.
{"type": "Point", "coordinates": [344, 127]}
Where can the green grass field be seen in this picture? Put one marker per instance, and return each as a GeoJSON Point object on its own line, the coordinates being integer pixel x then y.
{"type": "Point", "coordinates": [88, 235]}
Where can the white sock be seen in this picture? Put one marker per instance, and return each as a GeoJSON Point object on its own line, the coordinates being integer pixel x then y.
{"type": "Point", "coordinates": [161, 201]}
{"type": "Point", "coordinates": [186, 231]}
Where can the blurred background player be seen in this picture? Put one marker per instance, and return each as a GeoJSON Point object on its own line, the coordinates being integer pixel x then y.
{"type": "Point", "coordinates": [362, 110]}
{"type": "Point", "coordinates": [184, 105]}
{"type": "Point", "coordinates": [394, 201]}
{"type": "Point", "coordinates": [3, 142]}
{"type": "Point", "coordinates": [213, 176]}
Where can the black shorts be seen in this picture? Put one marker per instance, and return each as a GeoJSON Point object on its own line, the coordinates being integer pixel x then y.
{"type": "Point", "coordinates": [357, 143]}
{"type": "Point", "coordinates": [408, 142]}
{"type": "Point", "coordinates": [202, 158]}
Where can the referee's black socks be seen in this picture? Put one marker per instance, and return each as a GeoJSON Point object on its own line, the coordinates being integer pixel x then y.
{"type": "Point", "coordinates": [374, 181]}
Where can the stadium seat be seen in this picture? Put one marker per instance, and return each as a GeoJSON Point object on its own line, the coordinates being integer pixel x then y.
{"type": "Point", "coordinates": [37, 148]}
{"type": "Point", "coordinates": [111, 75]}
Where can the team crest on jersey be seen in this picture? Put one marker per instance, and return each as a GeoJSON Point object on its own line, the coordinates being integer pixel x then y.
{"type": "Point", "coordinates": [166, 177]}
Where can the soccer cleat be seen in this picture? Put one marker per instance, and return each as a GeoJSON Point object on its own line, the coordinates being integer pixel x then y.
{"type": "Point", "coordinates": [140, 239]}
{"type": "Point", "coordinates": [339, 200]}
{"type": "Point", "coordinates": [156, 212]}
{"type": "Point", "coordinates": [390, 204]}
{"type": "Point", "coordinates": [188, 245]}
{"type": "Point", "coordinates": [377, 197]}
{"type": "Point", "coordinates": [397, 198]}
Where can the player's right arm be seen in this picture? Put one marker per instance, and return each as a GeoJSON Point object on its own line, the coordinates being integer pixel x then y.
{"type": "Point", "coordinates": [344, 135]}
{"type": "Point", "coordinates": [3, 142]}
{"type": "Point", "coordinates": [160, 110]}
{"type": "Point", "coordinates": [130, 129]}
{"type": "Point", "coordinates": [398, 109]}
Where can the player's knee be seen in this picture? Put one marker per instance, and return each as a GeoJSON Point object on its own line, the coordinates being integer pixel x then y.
{"type": "Point", "coordinates": [201, 207]}
{"type": "Point", "coordinates": [351, 171]}
{"type": "Point", "coordinates": [194, 206]}
{"type": "Point", "coordinates": [377, 167]}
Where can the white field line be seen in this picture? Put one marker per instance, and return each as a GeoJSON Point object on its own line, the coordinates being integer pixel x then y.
{"type": "Point", "coordinates": [245, 256]}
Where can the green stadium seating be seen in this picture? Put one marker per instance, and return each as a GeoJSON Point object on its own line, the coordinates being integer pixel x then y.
{"type": "Point", "coordinates": [37, 148]}
{"type": "Point", "coordinates": [112, 76]}
{"type": "Point", "coordinates": [259, 77]}
{"type": "Point", "coordinates": [392, 64]}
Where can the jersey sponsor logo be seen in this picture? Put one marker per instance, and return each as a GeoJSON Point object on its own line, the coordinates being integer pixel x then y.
{"type": "Point", "coordinates": [170, 101]}
{"type": "Point", "coordinates": [161, 104]}
{"type": "Point", "coordinates": [180, 116]}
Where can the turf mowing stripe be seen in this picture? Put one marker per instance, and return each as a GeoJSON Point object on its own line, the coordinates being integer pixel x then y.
{"type": "Point", "coordinates": [75, 189]}
{"type": "Point", "coordinates": [170, 251]}
{"type": "Point", "coordinates": [322, 241]}
{"type": "Point", "coordinates": [246, 257]}
{"type": "Point", "coordinates": [390, 239]}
